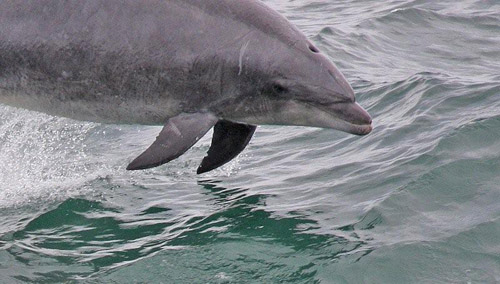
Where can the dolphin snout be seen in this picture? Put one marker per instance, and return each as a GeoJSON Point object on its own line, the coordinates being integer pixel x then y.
{"type": "Point", "coordinates": [360, 122]}
{"type": "Point", "coordinates": [359, 114]}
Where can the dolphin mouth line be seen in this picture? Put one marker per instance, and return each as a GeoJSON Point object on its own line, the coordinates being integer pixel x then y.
{"type": "Point", "coordinates": [352, 128]}
{"type": "Point", "coordinates": [344, 125]}
{"type": "Point", "coordinates": [361, 129]}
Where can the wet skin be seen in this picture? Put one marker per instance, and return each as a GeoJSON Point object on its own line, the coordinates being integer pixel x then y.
{"type": "Point", "coordinates": [235, 63]}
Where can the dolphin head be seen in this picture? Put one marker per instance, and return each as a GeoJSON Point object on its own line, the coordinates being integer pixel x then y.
{"type": "Point", "coordinates": [297, 85]}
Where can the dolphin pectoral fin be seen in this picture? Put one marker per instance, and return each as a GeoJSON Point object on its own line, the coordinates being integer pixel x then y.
{"type": "Point", "coordinates": [228, 141]}
{"type": "Point", "coordinates": [178, 135]}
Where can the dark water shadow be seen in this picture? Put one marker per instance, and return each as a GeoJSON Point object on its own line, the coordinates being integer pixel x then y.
{"type": "Point", "coordinates": [83, 239]}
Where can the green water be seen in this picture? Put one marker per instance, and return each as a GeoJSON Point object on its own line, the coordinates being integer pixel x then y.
{"type": "Point", "coordinates": [416, 201]}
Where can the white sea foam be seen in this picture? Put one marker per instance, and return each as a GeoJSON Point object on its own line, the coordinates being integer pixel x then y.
{"type": "Point", "coordinates": [42, 157]}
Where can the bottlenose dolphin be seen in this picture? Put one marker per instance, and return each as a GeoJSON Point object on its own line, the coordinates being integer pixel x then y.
{"type": "Point", "coordinates": [189, 65]}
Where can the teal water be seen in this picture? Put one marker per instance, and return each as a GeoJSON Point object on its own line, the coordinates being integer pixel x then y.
{"type": "Point", "coordinates": [416, 201]}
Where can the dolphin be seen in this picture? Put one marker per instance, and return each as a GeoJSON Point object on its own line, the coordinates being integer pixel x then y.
{"type": "Point", "coordinates": [189, 65]}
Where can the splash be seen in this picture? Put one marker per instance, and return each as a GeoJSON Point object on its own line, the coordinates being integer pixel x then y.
{"type": "Point", "coordinates": [42, 157]}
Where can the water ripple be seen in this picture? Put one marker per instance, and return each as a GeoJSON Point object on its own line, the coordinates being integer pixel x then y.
{"type": "Point", "coordinates": [415, 201]}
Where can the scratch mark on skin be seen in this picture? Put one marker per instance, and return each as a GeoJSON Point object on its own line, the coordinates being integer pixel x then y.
{"type": "Point", "coordinates": [242, 53]}
{"type": "Point", "coordinates": [175, 129]}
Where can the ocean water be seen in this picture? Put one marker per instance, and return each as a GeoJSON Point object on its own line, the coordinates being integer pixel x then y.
{"type": "Point", "coordinates": [416, 201]}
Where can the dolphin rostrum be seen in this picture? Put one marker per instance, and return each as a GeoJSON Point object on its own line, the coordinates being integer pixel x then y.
{"type": "Point", "coordinates": [189, 65]}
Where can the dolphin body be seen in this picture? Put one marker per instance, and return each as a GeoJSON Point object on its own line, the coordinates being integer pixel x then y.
{"type": "Point", "coordinates": [189, 65]}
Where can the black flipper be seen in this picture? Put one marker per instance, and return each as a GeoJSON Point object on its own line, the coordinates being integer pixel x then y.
{"type": "Point", "coordinates": [229, 140]}
{"type": "Point", "coordinates": [178, 135]}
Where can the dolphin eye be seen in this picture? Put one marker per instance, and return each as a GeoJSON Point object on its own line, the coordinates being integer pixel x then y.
{"type": "Point", "coordinates": [279, 89]}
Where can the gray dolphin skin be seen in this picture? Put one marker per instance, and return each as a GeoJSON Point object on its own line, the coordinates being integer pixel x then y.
{"type": "Point", "coordinates": [189, 65]}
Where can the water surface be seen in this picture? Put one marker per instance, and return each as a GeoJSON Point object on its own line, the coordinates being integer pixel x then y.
{"type": "Point", "coordinates": [416, 201]}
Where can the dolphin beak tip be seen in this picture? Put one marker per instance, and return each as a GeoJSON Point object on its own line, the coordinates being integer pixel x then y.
{"type": "Point", "coordinates": [368, 129]}
{"type": "Point", "coordinates": [363, 129]}
{"type": "Point", "coordinates": [364, 121]}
